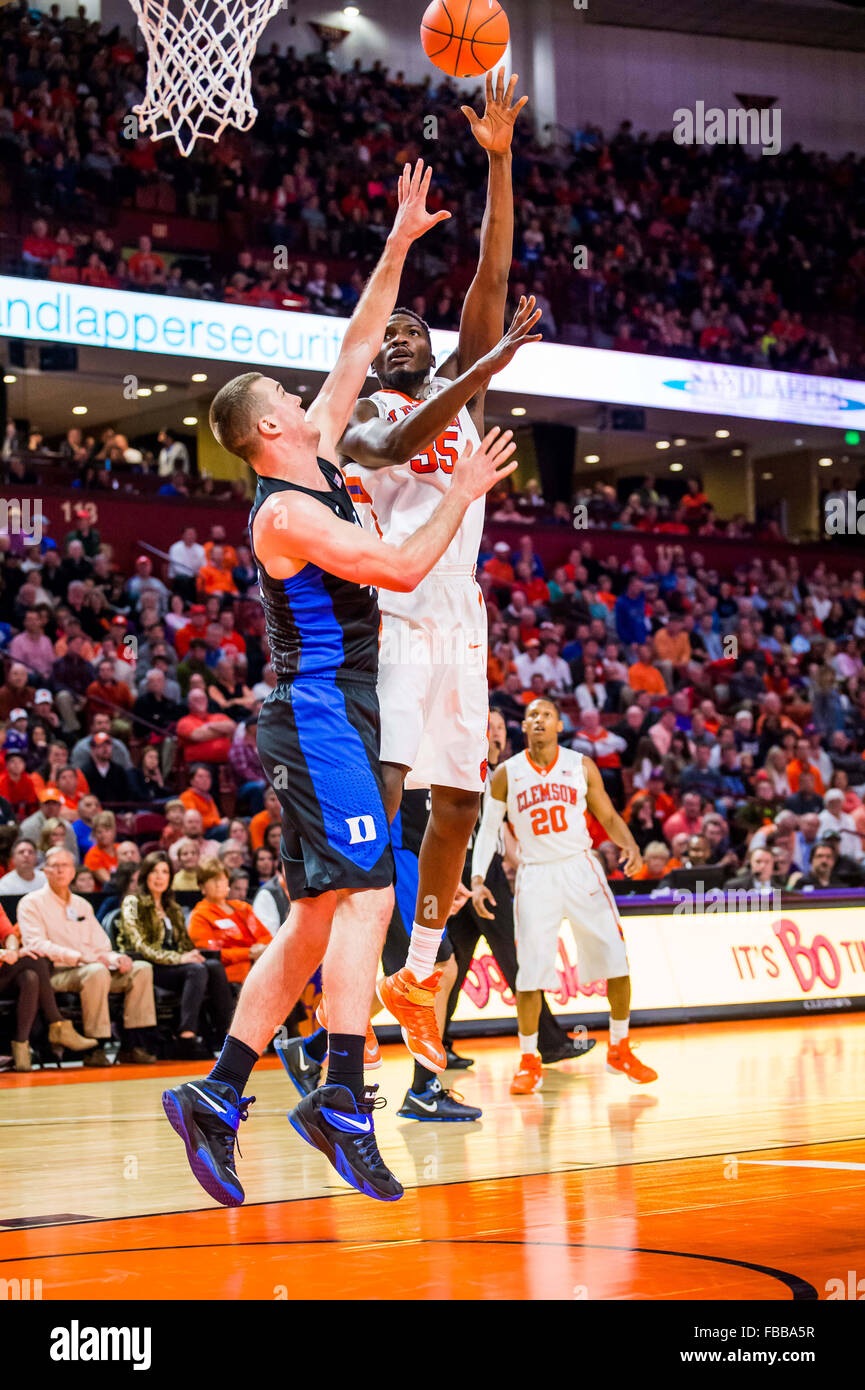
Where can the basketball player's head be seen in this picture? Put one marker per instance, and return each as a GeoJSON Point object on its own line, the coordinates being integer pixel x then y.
{"type": "Point", "coordinates": [406, 357]}
{"type": "Point", "coordinates": [254, 417]}
{"type": "Point", "coordinates": [542, 724]}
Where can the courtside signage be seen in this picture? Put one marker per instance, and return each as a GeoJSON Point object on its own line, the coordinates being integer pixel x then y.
{"type": "Point", "coordinates": [238, 333]}
{"type": "Point", "coordinates": [810, 957]}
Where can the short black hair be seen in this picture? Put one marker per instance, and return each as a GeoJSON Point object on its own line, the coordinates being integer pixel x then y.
{"type": "Point", "coordinates": [548, 699]}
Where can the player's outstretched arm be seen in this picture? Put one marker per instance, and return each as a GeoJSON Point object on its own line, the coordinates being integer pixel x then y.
{"type": "Point", "coordinates": [602, 808]}
{"type": "Point", "coordinates": [333, 405]}
{"type": "Point", "coordinates": [486, 840]}
{"type": "Point", "coordinates": [292, 530]}
{"type": "Point", "coordinates": [484, 308]}
{"type": "Point", "coordinates": [378, 443]}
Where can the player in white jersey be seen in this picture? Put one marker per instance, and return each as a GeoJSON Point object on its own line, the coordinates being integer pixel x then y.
{"type": "Point", "coordinates": [545, 792]}
{"type": "Point", "coordinates": [398, 455]}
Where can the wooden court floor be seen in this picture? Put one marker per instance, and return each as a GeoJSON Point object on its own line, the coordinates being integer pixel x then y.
{"type": "Point", "coordinates": [740, 1174]}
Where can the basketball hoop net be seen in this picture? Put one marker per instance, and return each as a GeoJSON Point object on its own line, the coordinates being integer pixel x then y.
{"type": "Point", "coordinates": [199, 66]}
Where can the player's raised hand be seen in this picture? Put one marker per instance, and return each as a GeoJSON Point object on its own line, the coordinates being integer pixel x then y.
{"type": "Point", "coordinates": [412, 219]}
{"type": "Point", "coordinates": [494, 130]}
{"type": "Point", "coordinates": [519, 333]}
{"type": "Point", "coordinates": [475, 473]}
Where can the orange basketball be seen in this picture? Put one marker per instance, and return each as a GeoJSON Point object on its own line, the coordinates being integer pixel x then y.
{"type": "Point", "coordinates": [464, 37]}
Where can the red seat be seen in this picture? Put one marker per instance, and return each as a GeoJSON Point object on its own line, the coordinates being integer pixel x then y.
{"type": "Point", "coordinates": [148, 823]}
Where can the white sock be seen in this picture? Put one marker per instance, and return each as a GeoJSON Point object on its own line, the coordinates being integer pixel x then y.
{"type": "Point", "coordinates": [618, 1030]}
{"type": "Point", "coordinates": [528, 1044]}
{"type": "Point", "coordinates": [423, 949]}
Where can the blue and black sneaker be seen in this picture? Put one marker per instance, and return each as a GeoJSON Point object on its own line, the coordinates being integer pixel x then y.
{"type": "Point", "coordinates": [206, 1115]}
{"type": "Point", "coordinates": [435, 1103]}
{"type": "Point", "coordinates": [303, 1071]}
{"type": "Point", "coordinates": [341, 1127]}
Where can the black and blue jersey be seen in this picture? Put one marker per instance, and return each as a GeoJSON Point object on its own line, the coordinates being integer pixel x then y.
{"type": "Point", "coordinates": [318, 624]}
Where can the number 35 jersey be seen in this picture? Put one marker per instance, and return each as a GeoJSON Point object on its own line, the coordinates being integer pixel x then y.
{"type": "Point", "coordinates": [547, 808]}
{"type": "Point", "coordinates": [394, 502]}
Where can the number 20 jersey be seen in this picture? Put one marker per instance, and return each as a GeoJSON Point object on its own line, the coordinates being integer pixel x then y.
{"type": "Point", "coordinates": [547, 809]}
{"type": "Point", "coordinates": [394, 502]}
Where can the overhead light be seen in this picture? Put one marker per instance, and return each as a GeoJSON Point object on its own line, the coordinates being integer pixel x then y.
{"type": "Point", "coordinates": [518, 410]}
{"type": "Point", "coordinates": [825, 463]}
{"type": "Point", "coordinates": [662, 443]}
{"type": "Point", "coordinates": [161, 387]}
{"type": "Point", "coordinates": [190, 419]}
{"type": "Point", "coordinates": [198, 376]}
{"type": "Point", "coordinates": [722, 434]}
{"type": "Point", "coordinates": [351, 11]}
{"type": "Point", "coordinates": [798, 443]}
{"type": "Point", "coordinates": [9, 379]}
{"type": "Point", "coordinates": [593, 458]}
{"type": "Point", "coordinates": [767, 477]}
{"type": "Point", "coordinates": [679, 443]}
{"type": "Point", "coordinates": [79, 410]}
{"type": "Point", "coordinates": [144, 391]}
{"type": "Point", "coordinates": [676, 467]}
{"type": "Point", "coordinates": [302, 390]}
{"type": "Point", "coordinates": [736, 453]}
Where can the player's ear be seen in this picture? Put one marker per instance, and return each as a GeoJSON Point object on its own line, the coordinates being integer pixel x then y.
{"type": "Point", "coordinates": [268, 427]}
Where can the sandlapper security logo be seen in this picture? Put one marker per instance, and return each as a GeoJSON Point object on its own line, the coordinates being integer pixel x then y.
{"type": "Point", "coordinates": [77, 1343]}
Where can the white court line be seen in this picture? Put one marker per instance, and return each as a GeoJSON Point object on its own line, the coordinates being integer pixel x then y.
{"type": "Point", "coordinates": [798, 1163]}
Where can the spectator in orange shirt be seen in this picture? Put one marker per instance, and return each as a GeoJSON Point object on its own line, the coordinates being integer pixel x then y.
{"type": "Point", "coordinates": [694, 498]}
{"type": "Point", "coordinates": [656, 860]}
{"type": "Point", "coordinates": [499, 567]}
{"type": "Point", "coordinates": [217, 537]}
{"type": "Point", "coordinates": [226, 925]}
{"type": "Point", "coordinates": [271, 815]}
{"type": "Point", "coordinates": [643, 675]}
{"type": "Point", "coordinates": [16, 786]}
{"type": "Point", "coordinates": [101, 859]}
{"type": "Point", "coordinates": [70, 794]}
{"type": "Point", "coordinates": [215, 577]}
{"type": "Point", "coordinates": [173, 830]}
{"type": "Point", "coordinates": [105, 691]}
{"type": "Point", "coordinates": [671, 646]}
{"type": "Point", "coordinates": [231, 639]}
{"type": "Point", "coordinates": [146, 266]}
{"type": "Point", "coordinates": [802, 763]}
{"type": "Point", "coordinates": [197, 797]}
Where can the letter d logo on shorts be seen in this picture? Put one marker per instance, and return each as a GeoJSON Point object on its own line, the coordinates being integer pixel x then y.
{"type": "Point", "coordinates": [361, 829]}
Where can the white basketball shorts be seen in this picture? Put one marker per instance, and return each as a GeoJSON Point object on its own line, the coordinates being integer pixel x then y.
{"type": "Point", "coordinates": [432, 684]}
{"type": "Point", "coordinates": [575, 889]}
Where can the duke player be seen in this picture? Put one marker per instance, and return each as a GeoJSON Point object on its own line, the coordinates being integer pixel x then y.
{"type": "Point", "coordinates": [545, 792]}
{"type": "Point", "coordinates": [318, 733]}
{"type": "Point", "coordinates": [398, 458]}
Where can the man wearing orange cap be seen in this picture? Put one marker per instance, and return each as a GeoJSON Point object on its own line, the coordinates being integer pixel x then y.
{"type": "Point", "coordinates": [50, 802]}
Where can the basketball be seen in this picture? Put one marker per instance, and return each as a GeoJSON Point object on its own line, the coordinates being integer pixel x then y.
{"type": "Point", "coordinates": [464, 37]}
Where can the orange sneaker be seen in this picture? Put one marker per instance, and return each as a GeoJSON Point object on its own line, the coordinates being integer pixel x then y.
{"type": "Point", "coordinates": [371, 1049]}
{"type": "Point", "coordinates": [530, 1077]}
{"type": "Point", "coordinates": [411, 1003]}
{"type": "Point", "coordinates": [622, 1059]}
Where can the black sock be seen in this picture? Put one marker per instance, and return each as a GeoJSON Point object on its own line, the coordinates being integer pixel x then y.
{"type": "Point", "coordinates": [422, 1078]}
{"type": "Point", "coordinates": [315, 1046]}
{"type": "Point", "coordinates": [235, 1064]}
{"type": "Point", "coordinates": [345, 1062]}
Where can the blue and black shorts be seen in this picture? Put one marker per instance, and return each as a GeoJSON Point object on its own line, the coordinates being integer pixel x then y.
{"type": "Point", "coordinates": [318, 741]}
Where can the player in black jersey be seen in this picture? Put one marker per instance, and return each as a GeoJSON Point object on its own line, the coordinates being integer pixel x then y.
{"type": "Point", "coordinates": [318, 730]}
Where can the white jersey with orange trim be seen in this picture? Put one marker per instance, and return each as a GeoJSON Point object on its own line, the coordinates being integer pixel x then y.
{"type": "Point", "coordinates": [547, 807]}
{"type": "Point", "coordinates": [394, 502]}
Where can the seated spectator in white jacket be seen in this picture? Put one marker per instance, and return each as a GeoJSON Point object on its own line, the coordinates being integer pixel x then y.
{"type": "Point", "coordinates": [57, 923]}
{"type": "Point", "coordinates": [832, 817]}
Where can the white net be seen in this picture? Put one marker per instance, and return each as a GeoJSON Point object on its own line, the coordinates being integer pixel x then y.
{"type": "Point", "coordinates": [198, 71]}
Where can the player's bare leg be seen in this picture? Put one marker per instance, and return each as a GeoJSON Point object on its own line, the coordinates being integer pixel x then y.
{"type": "Point", "coordinates": [411, 993]}
{"type": "Point", "coordinates": [529, 1076]}
{"type": "Point", "coordinates": [276, 980]}
{"type": "Point", "coordinates": [620, 1058]}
